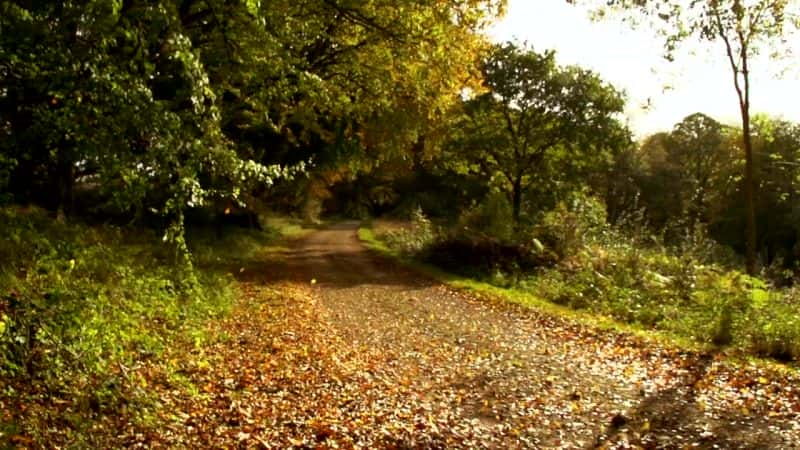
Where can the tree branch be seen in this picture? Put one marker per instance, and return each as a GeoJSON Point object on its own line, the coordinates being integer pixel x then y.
{"type": "Point", "coordinates": [367, 22]}
{"type": "Point", "coordinates": [729, 52]}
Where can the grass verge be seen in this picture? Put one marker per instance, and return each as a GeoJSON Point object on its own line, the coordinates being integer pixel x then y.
{"type": "Point", "coordinates": [88, 315]}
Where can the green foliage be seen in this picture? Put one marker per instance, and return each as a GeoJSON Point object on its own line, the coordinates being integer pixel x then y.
{"type": "Point", "coordinates": [686, 186]}
{"type": "Point", "coordinates": [414, 239]}
{"type": "Point", "coordinates": [468, 250]}
{"type": "Point", "coordinates": [139, 108]}
{"type": "Point", "coordinates": [584, 263]}
{"type": "Point", "coordinates": [571, 224]}
{"type": "Point", "coordinates": [493, 217]}
{"type": "Point", "coordinates": [537, 124]}
{"type": "Point", "coordinates": [744, 30]}
{"type": "Point", "coordinates": [120, 100]}
{"type": "Point", "coordinates": [774, 328]}
{"type": "Point", "coordinates": [680, 178]}
{"type": "Point", "coordinates": [81, 306]}
{"type": "Point", "coordinates": [677, 293]}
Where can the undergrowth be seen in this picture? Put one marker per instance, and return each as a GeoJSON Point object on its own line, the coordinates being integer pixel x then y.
{"type": "Point", "coordinates": [84, 308]}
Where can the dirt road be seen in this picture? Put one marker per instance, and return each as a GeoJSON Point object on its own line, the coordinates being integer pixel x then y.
{"type": "Point", "coordinates": [339, 348]}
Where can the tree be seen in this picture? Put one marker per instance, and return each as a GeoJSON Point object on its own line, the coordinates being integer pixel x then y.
{"type": "Point", "coordinates": [532, 110]}
{"type": "Point", "coordinates": [165, 106]}
{"type": "Point", "coordinates": [777, 144]}
{"type": "Point", "coordinates": [113, 94]}
{"type": "Point", "coordinates": [744, 28]}
{"type": "Point", "coordinates": [358, 84]}
{"type": "Point", "coordinates": [697, 153]}
{"type": "Point", "coordinates": [680, 176]}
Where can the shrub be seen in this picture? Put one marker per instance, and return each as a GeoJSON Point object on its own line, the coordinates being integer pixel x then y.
{"type": "Point", "coordinates": [775, 326]}
{"type": "Point", "coordinates": [492, 217]}
{"type": "Point", "coordinates": [471, 254]}
{"type": "Point", "coordinates": [680, 287]}
{"type": "Point", "coordinates": [571, 224]}
{"type": "Point", "coordinates": [414, 239]}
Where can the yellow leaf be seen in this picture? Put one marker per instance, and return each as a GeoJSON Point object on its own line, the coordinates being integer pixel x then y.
{"type": "Point", "coordinates": [763, 380]}
{"type": "Point", "coordinates": [701, 405]}
{"type": "Point", "coordinates": [646, 426]}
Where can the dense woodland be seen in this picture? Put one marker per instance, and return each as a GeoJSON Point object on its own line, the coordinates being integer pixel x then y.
{"type": "Point", "coordinates": [129, 129]}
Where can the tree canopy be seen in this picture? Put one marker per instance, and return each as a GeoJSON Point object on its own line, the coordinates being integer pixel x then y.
{"type": "Point", "coordinates": [163, 106]}
{"type": "Point", "coordinates": [532, 111]}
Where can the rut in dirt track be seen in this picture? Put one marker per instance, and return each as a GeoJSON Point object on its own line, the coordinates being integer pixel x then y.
{"type": "Point", "coordinates": [477, 372]}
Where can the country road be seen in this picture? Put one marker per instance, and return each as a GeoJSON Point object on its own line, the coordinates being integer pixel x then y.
{"type": "Point", "coordinates": [339, 348]}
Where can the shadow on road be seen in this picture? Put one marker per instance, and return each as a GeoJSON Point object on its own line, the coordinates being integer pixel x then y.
{"type": "Point", "coordinates": [678, 413]}
{"type": "Point", "coordinates": [334, 258]}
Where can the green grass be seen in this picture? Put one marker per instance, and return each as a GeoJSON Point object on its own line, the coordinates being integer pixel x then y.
{"type": "Point", "coordinates": [242, 245]}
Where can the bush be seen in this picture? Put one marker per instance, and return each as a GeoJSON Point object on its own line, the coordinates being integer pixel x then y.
{"type": "Point", "coordinates": [623, 273]}
{"type": "Point", "coordinates": [774, 329]}
{"type": "Point", "coordinates": [476, 255]}
{"type": "Point", "coordinates": [571, 224]}
{"type": "Point", "coordinates": [412, 240]}
{"type": "Point", "coordinates": [653, 288]}
{"type": "Point", "coordinates": [492, 217]}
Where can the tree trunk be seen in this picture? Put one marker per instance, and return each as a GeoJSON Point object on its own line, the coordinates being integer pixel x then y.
{"type": "Point", "coordinates": [749, 172]}
{"type": "Point", "coordinates": [516, 201]}
{"type": "Point", "coordinates": [66, 186]}
{"type": "Point", "coordinates": [749, 187]}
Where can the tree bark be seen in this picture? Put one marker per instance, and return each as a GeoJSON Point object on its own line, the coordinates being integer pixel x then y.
{"type": "Point", "coordinates": [743, 92]}
{"type": "Point", "coordinates": [516, 200]}
{"type": "Point", "coordinates": [749, 172]}
{"type": "Point", "coordinates": [66, 186]}
{"type": "Point", "coordinates": [749, 187]}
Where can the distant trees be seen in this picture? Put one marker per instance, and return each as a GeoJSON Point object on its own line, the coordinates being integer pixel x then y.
{"type": "Point", "coordinates": [696, 155]}
{"type": "Point", "coordinates": [533, 113]}
{"type": "Point", "coordinates": [680, 178]}
{"type": "Point", "coordinates": [690, 177]}
{"type": "Point", "coordinates": [744, 28]}
{"type": "Point", "coordinates": [777, 148]}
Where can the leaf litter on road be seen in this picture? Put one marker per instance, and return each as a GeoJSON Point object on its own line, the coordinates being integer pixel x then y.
{"type": "Point", "coordinates": [393, 360]}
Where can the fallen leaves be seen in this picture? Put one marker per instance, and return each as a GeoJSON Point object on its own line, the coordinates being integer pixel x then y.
{"type": "Point", "coordinates": [352, 362]}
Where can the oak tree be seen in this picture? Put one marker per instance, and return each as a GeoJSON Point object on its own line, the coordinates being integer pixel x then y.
{"type": "Point", "coordinates": [533, 109]}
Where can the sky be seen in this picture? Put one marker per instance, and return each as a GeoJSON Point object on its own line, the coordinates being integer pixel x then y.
{"type": "Point", "coordinates": [659, 93]}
